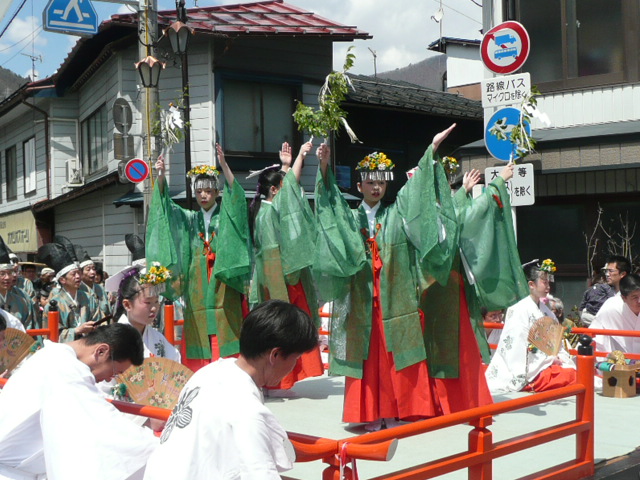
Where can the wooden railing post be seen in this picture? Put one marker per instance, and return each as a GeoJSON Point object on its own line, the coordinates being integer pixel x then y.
{"type": "Point", "coordinates": [170, 324]}
{"type": "Point", "coordinates": [481, 441]}
{"type": "Point", "coordinates": [53, 321]}
{"type": "Point", "coordinates": [332, 472]}
{"type": "Point", "coordinates": [585, 402]}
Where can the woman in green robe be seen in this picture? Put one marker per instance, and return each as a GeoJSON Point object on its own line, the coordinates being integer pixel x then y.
{"type": "Point", "coordinates": [207, 252]}
{"type": "Point", "coordinates": [284, 233]}
{"type": "Point", "coordinates": [374, 262]}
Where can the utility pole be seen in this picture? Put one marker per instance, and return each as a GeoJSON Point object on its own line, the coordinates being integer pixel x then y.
{"type": "Point", "coordinates": [147, 38]}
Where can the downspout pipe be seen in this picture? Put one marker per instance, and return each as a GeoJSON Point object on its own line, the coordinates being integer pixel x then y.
{"type": "Point", "coordinates": [47, 143]}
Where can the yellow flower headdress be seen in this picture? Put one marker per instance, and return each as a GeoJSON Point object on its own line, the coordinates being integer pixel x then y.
{"type": "Point", "coordinates": [375, 166]}
{"type": "Point", "coordinates": [204, 176]}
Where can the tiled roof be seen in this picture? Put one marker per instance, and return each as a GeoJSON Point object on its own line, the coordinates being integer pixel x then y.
{"type": "Point", "coordinates": [273, 17]}
{"type": "Point", "coordinates": [407, 96]}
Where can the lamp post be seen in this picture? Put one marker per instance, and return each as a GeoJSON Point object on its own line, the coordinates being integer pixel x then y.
{"type": "Point", "coordinates": [149, 70]}
{"type": "Point", "coordinates": [179, 34]}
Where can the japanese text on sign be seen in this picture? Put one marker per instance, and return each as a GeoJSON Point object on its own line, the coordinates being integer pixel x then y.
{"type": "Point", "coordinates": [520, 187]}
{"type": "Point", "coordinates": [505, 90]}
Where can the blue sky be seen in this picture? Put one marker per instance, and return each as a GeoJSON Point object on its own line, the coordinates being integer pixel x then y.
{"type": "Point", "coordinates": [401, 28]}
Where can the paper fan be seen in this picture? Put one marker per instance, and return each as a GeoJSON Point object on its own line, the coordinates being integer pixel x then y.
{"type": "Point", "coordinates": [17, 345]}
{"type": "Point", "coordinates": [157, 382]}
{"type": "Point", "coordinates": [546, 335]}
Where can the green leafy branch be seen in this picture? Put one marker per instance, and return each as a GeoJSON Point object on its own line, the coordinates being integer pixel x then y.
{"type": "Point", "coordinates": [524, 144]}
{"type": "Point", "coordinates": [329, 116]}
{"type": "Point", "coordinates": [169, 125]}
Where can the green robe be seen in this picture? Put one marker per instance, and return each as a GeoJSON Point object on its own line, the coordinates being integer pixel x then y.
{"type": "Point", "coordinates": [416, 241]}
{"type": "Point", "coordinates": [84, 310]}
{"type": "Point", "coordinates": [100, 296]}
{"type": "Point", "coordinates": [176, 239]}
{"type": "Point", "coordinates": [284, 236]}
{"type": "Point", "coordinates": [18, 303]}
{"type": "Point", "coordinates": [495, 279]}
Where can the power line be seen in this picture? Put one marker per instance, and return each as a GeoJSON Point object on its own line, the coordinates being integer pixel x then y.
{"type": "Point", "coordinates": [459, 12]}
{"type": "Point", "coordinates": [12, 18]}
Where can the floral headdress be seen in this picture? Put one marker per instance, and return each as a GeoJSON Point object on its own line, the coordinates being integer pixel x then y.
{"type": "Point", "coordinates": [154, 279]}
{"type": "Point", "coordinates": [375, 166]}
{"type": "Point", "coordinates": [204, 176]}
{"type": "Point", "coordinates": [451, 166]}
{"type": "Point", "coordinates": [549, 267]}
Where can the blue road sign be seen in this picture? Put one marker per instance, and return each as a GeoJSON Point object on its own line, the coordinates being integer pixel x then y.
{"type": "Point", "coordinates": [504, 119]}
{"type": "Point", "coordinates": [136, 170]}
{"type": "Point", "coordinates": [76, 17]}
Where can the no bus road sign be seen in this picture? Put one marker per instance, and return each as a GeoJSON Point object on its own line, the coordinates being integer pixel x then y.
{"type": "Point", "coordinates": [505, 47]}
{"type": "Point", "coordinates": [136, 170]}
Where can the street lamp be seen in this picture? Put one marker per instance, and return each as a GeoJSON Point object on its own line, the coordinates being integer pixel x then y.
{"type": "Point", "coordinates": [179, 34]}
{"type": "Point", "coordinates": [149, 69]}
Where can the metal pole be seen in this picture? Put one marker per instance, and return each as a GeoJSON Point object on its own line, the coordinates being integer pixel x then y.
{"type": "Point", "coordinates": [147, 35]}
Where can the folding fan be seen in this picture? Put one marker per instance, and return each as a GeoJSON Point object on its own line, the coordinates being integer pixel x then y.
{"type": "Point", "coordinates": [157, 382]}
{"type": "Point", "coordinates": [546, 335]}
{"type": "Point", "coordinates": [16, 347]}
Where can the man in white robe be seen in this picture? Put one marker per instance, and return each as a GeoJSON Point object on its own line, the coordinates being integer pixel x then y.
{"type": "Point", "coordinates": [620, 312]}
{"type": "Point", "coordinates": [220, 428]}
{"type": "Point", "coordinates": [55, 423]}
{"type": "Point", "coordinates": [514, 365]}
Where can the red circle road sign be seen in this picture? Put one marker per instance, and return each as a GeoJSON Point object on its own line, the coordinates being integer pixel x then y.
{"type": "Point", "coordinates": [136, 170]}
{"type": "Point", "coordinates": [505, 47]}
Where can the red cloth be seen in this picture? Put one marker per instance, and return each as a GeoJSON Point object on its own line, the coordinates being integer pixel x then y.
{"type": "Point", "coordinates": [310, 363]}
{"type": "Point", "coordinates": [552, 377]}
{"type": "Point", "coordinates": [410, 394]}
{"type": "Point", "coordinates": [384, 392]}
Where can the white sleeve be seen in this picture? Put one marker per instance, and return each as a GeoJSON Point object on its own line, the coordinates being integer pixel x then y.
{"type": "Point", "coordinates": [261, 448]}
{"type": "Point", "coordinates": [86, 437]}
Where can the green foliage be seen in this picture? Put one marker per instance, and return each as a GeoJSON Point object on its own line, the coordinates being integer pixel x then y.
{"type": "Point", "coordinates": [329, 115]}
{"type": "Point", "coordinates": [523, 143]}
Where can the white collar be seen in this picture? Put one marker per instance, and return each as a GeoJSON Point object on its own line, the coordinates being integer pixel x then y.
{"type": "Point", "coordinates": [369, 210]}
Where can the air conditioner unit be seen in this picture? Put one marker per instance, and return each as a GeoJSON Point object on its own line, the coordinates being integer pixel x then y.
{"type": "Point", "coordinates": [74, 174]}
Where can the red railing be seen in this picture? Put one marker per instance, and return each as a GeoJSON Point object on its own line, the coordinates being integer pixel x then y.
{"type": "Point", "coordinates": [481, 452]}
{"type": "Point", "coordinates": [170, 324]}
{"type": "Point", "coordinates": [477, 459]}
{"type": "Point", "coordinates": [53, 322]}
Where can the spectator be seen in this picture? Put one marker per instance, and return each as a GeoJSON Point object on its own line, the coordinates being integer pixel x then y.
{"type": "Point", "coordinates": [495, 316]}
{"type": "Point", "coordinates": [615, 270]}
{"type": "Point", "coordinates": [46, 278]}
{"type": "Point", "coordinates": [620, 312]}
{"type": "Point", "coordinates": [595, 297]}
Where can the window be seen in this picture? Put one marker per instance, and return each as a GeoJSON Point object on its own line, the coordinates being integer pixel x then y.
{"type": "Point", "coordinates": [29, 165]}
{"type": "Point", "coordinates": [94, 141]}
{"type": "Point", "coordinates": [579, 43]}
{"type": "Point", "coordinates": [257, 116]}
{"type": "Point", "coordinates": [11, 172]}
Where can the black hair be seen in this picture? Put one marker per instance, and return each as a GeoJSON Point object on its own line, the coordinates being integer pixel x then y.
{"type": "Point", "coordinates": [129, 288]}
{"type": "Point", "coordinates": [3, 323]}
{"type": "Point", "coordinates": [629, 283]}
{"type": "Point", "coordinates": [124, 341]}
{"type": "Point", "coordinates": [277, 324]}
{"type": "Point", "coordinates": [531, 272]}
{"type": "Point", "coordinates": [271, 177]}
{"type": "Point", "coordinates": [484, 311]}
{"type": "Point", "coordinates": [622, 263]}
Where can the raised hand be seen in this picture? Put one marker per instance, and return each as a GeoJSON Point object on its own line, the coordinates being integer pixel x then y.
{"type": "Point", "coordinates": [228, 174]}
{"type": "Point", "coordinates": [507, 172]}
{"type": "Point", "coordinates": [285, 156]}
{"type": "Point", "coordinates": [439, 137]}
{"type": "Point", "coordinates": [160, 168]}
{"type": "Point", "coordinates": [323, 153]}
{"type": "Point", "coordinates": [470, 179]}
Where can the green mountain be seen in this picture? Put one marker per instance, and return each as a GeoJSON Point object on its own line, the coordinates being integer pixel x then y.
{"type": "Point", "coordinates": [9, 82]}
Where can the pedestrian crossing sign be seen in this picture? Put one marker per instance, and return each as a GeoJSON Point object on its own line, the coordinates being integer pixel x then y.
{"type": "Point", "coordinates": [75, 17]}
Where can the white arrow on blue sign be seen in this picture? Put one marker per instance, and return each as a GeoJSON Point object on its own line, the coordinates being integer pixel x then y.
{"type": "Point", "coordinates": [76, 17]}
{"type": "Point", "coordinates": [507, 118]}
